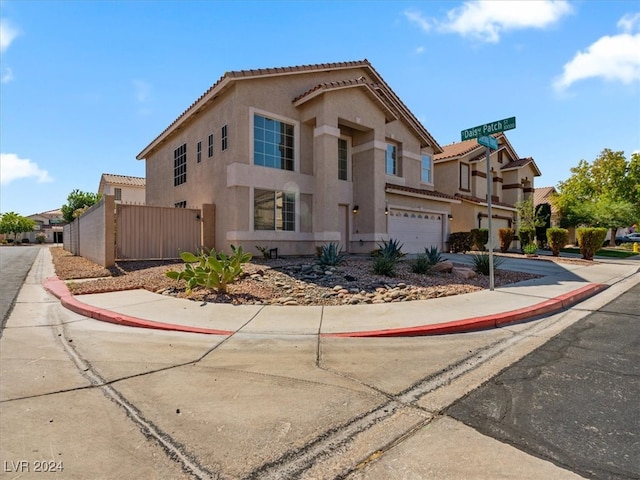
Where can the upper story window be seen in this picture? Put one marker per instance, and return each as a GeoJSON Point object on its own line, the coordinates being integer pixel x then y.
{"type": "Point", "coordinates": [343, 159]}
{"type": "Point", "coordinates": [182, 204]}
{"type": "Point", "coordinates": [274, 210]}
{"type": "Point", "coordinates": [391, 164]}
{"type": "Point", "coordinates": [180, 165]}
{"type": "Point", "coordinates": [199, 152]}
{"type": "Point", "coordinates": [117, 193]}
{"type": "Point", "coordinates": [464, 177]}
{"type": "Point", "coordinates": [223, 137]}
{"type": "Point", "coordinates": [427, 169]}
{"type": "Point", "coordinates": [273, 142]}
{"type": "Point", "coordinates": [210, 146]}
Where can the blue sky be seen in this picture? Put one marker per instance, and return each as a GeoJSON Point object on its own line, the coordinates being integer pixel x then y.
{"type": "Point", "coordinates": [86, 85]}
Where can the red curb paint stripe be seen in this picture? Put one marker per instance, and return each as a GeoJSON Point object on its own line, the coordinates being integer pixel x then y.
{"type": "Point", "coordinates": [58, 288]}
{"type": "Point", "coordinates": [552, 305]}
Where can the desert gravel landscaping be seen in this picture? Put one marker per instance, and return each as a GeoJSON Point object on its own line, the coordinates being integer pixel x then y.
{"type": "Point", "coordinates": [284, 281]}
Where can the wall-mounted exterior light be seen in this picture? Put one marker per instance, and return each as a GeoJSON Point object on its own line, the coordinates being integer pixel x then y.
{"type": "Point", "coordinates": [356, 209]}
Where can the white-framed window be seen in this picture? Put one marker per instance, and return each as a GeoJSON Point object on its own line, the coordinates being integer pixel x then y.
{"type": "Point", "coordinates": [464, 177]}
{"type": "Point", "coordinates": [117, 193]}
{"type": "Point", "coordinates": [180, 165]}
{"type": "Point", "coordinates": [391, 164]}
{"type": "Point", "coordinates": [343, 159]}
{"type": "Point", "coordinates": [273, 143]}
{"type": "Point", "coordinates": [427, 169]}
{"type": "Point", "coordinates": [273, 210]}
{"type": "Point", "coordinates": [199, 152]}
{"type": "Point", "coordinates": [224, 136]}
{"type": "Point", "coordinates": [210, 146]}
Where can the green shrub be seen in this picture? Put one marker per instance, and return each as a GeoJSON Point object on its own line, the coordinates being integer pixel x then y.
{"type": "Point", "coordinates": [330, 255]}
{"type": "Point", "coordinates": [506, 237]}
{"type": "Point", "coordinates": [557, 238]}
{"type": "Point", "coordinates": [460, 242]}
{"type": "Point", "coordinates": [433, 255]}
{"type": "Point", "coordinates": [526, 235]}
{"type": "Point", "coordinates": [213, 270]}
{"type": "Point", "coordinates": [26, 240]}
{"type": "Point", "coordinates": [590, 240]}
{"type": "Point", "coordinates": [385, 265]}
{"type": "Point", "coordinates": [481, 263]}
{"type": "Point", "coordinates": [40, 239]}
{"type": "Point", "coordinates": [421, 264]}
{"type": "Point", "coordinates": [530, 249]}
{"type": "Point", "coordinates": [480, 238]}
{"type": "Point", "coordinates": [391, 249]}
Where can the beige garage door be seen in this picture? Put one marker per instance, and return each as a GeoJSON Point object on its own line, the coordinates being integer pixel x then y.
{"type": "Point", "coordinates": [416, 231]}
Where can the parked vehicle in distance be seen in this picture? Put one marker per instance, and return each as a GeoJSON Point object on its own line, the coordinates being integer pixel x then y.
{"type": "Point", "coordinates": [629, 238]}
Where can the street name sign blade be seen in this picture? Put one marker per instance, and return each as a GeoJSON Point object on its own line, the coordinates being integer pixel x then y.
{"type": "Point", "coordinates": [488, 128]}
{"type": "Point", "coordinates": [490, 142]}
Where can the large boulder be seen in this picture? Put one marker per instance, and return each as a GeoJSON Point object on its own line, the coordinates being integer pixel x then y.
{"type": "Point", "coordinates": [463, 272]}
{"type": "Point", "coordinates": [443, 267]}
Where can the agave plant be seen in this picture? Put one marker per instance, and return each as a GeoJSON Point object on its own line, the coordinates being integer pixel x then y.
{"type": "Point", "coordinates": [391, 249]}
{"type": "Point", "coordinates": [330, 255]}
{"type": "Point", "coordinates": [433, 255]}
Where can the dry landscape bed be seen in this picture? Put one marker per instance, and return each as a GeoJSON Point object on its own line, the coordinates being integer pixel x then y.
{"type": "Point", "coordinates": [289, 281]}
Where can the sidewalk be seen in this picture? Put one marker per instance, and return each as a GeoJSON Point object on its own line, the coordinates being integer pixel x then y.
{"type": "Point", "coordinates": [563, 287]}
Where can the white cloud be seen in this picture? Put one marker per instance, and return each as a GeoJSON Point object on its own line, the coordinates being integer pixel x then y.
{"type": "Point", "coordinates": [486, 20]}
{"type": "Point", "coordinates": [416, 17]}
{"type": "Point", "coordinates": [420, 50]}
{"type": "Point", "coordinates": [613, 58]}
{"type": "Point", "coordinates": [13, 168]}
{"type": "Point", "coordinates": [8, 33]}
{"type": "Point", "coordinates": [7, 75]}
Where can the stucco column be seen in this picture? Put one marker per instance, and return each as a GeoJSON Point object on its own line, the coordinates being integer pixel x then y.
{"type": "Point", "coordinates": [325, 171]}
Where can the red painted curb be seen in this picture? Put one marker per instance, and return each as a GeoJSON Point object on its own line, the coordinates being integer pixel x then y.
{"type": "Point", "coordinates": [552, 305]}
{"type": "Point", "coordinates": [59, 289]}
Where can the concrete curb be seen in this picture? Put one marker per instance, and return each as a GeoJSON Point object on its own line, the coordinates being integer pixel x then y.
{"type": "Point", "coordinates": [58, 288]}
{"type": "Point", "coordinates": [552, 305]}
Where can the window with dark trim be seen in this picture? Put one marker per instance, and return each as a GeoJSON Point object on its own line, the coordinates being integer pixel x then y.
{"type": "Point", "coordinates": [182, 204]}
{"type": "Point", "coordinates": [180, 165]}
{"type": "Point", "coordinates": [210, 152]}
{"type": "Point", "coordinates": [464, 177]}
{"type": "Point", "coordinates": [117, 193]}
{"type": "Point", "coordinates": [343, 161]}
{"type": "Point", "coordinates": [274, 210]}
{"type": "Point", "coordinates": [273, 142]}
{"type": "Point", "coordinates": [199, 152]}
{"type": "Point", "coordinates": [223, 137]}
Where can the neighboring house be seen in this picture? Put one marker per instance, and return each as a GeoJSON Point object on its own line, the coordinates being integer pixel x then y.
{"type": "Point", "coordinates": [49, 224]}
{"type": "Point", "coordinates": [125, 189]}
{"type": "Point", "coordinates": [542, 199]}
{"type": "Point", "coordinates": [295, 157]}
{"type": "Point", "coordinates": [461, 171]}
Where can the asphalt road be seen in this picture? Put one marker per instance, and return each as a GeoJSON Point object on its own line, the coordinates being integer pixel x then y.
{"type": "Point", "coordinates": [575, 401]}
{"type": "Point", "coordinates": [15, 262]}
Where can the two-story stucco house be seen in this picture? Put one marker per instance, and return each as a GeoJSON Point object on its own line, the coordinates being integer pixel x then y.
{"type": "Point", "coordinates": [295, 157]}
{"type": "Point", "coordinates": [461, 170]}
{"type": "Point", "coordinates": [124, 188]}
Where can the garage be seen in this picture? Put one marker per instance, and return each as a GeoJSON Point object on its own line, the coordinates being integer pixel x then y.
{"type": "Point", "coordinates": [415, 230]}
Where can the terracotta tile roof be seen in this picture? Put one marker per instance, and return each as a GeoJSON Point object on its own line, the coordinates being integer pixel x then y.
{"type": "Point", "coordinates": [542, 195]}
{"type": "Point", "coordinates": [521, 163]}
{"type": "Point", "coordinates": [420, 191]}
{"type": "Point", "coordinates": [123, 180]}
{"type": "Point", "coordinates": [478, 200]}
{"type": "Point", "coordinates": [379, 85]}
{"type": "Point", "coordinates": [457, 149]}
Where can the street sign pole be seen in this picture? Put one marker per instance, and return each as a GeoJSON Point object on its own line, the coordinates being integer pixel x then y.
{"type": "Point", "coordinates": [490, 243]}
{"type": "Point", "coordinates": [484, 135]}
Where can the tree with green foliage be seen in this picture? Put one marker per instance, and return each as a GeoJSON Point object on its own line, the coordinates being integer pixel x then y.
{"type": "Point", "coordinates": [11, 222]}
{"type": "Point", "coordinates": [77, 203]}
{"type": "Point", "coordinates": [605, 193]}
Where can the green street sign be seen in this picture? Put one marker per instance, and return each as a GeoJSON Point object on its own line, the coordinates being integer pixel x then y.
{"type": "Point", "coordinates": [490, 142]}
{"type": "Point", "coordinates": [488, 128]}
